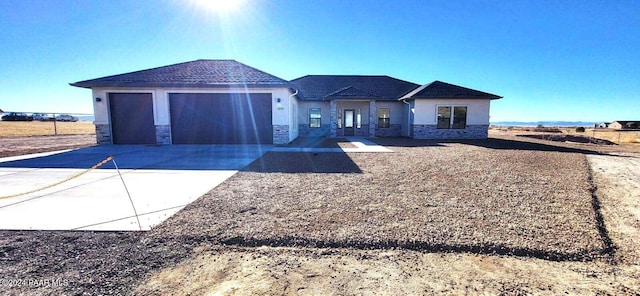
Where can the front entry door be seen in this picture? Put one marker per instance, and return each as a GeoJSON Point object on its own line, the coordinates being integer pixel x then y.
{"type": "Point", "coordinates": [349, 122]}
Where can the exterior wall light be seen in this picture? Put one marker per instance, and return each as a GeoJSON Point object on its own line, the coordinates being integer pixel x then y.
{"type": "Point", "coordinates": [98, 99]}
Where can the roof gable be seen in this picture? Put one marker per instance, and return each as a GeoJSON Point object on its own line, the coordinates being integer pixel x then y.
{"type": "Point", "coordinates": [320, 87]}
{"type": "Point", "coordinates": [439, 89]}
{"type": "Point", "coordinates": [199, 73]}
{"type": "Point", "coordinates": [349, 92]}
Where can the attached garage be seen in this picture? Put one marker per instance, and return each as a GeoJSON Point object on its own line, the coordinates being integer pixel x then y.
{"type": "Point", "coordinates": [221, 118]}
{"type": "Point", "coordinates": [131, 117]}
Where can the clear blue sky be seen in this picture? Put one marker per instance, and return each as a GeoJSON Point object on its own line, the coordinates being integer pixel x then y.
{"type": "Point", "coordinates": [550, 60]}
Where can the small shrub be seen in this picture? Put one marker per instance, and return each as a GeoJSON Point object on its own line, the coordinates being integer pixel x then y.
{"type": "Point", "coordinates": [547, 130]}
{"type": "Point", "coordinates": [580, 129]}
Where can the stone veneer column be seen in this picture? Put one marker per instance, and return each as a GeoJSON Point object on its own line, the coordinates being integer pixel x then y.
{"type": "Point", "coordinates": [372, 118]}
{"type": "Point", "coordinates": [103, 134]}
{"type": "Point", "coordinates": [333, 118]}
{"type": "Point", "coordinates": [163, 135]}
{"type": "Point", "coordinates": [280, 134]}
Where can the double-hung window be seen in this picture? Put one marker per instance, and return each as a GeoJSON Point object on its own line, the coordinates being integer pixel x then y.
{"type": "Point", "coordinates": [452, 117]}
{"type": "Point", "coordinates": [383, 118]}
{"type": "Point", "coordinates": [315, 118]}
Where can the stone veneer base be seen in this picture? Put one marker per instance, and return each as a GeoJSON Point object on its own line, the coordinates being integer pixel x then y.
{"type": "Point", "coordinates": [305, 131]}
{"type": "Point", "coordinates": [103, 134]}
{"type": "Point", "coordinates": [432, 132]}
{"type": "Point", "coordinates": [163, 135]}
{"type": "Point", "coordinates": [280, 134]}
{"type": "Point", "coordinates": [394, 130]}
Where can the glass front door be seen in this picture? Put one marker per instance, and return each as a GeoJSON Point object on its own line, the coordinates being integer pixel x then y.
{"type": "Point", "coordinates": [349, 122]}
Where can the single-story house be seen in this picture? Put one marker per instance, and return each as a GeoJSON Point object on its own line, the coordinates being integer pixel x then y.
{"type": "Point", "coordinates": [625, 125]}
{"type": "Point", "coordinates": [227, 102]}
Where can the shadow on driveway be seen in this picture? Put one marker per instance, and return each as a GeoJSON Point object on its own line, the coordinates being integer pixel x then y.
{"type": "Point", "coordinates": [165, 157]}
{"type": "Point", "coordinates": [297, 162]}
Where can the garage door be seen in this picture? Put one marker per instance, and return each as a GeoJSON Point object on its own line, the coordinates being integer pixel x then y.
{"type": "Point", "coordinates": [221, 118]}
{"type": "Point", "coordinates": [132, 118]}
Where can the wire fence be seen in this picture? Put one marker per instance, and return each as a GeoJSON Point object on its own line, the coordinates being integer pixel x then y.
{"type": "Point", "coordinates": [16, 123]}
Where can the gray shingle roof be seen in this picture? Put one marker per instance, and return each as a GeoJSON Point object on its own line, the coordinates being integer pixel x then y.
{"type": "Point", "coordinates": [350, 92]}
{"type": "Point", "coordinates": [439, 89]}
{"type": "Point", "coordinates": [199, 73]}
{"type": "Point", "coordinates": [327, 87]}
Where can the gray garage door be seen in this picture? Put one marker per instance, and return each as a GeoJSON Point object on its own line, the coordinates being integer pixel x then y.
{"type": "Point", "coordinates": [132, 118]}
{"type": "Point", "coordinates": [221, 118]}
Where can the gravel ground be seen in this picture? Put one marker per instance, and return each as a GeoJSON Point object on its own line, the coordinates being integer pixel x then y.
{"type": "Point", "coordinates": [427, 201]}
{"type": "Point", "coordinates": [455, 197]}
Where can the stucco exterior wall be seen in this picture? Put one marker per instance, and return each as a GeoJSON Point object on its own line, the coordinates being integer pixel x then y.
{"type": "Point", "coordinates": [615, 125]}
{"type": "Point", "coordinates": [426, 110]}
{"type": "Point", "coordinates": [395, 119]}
{"type": "Point", "coordinates": [303, 111]}
{"type": "Point", "coordinates": [395, 109]}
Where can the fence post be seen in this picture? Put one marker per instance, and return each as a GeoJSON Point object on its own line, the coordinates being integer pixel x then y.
{"type": "Point", "coordinates": [55, 126]}
{"type": "Point", "coordinates": [619, 137]}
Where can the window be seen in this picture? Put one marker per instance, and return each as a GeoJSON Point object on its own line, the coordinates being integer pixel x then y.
{"type": "Point", "coordinates": [339, 118]}
{"type": "Point", "coordinates": [444, 117]}
{"type": "Point", "coordinates": [459, 117]}
{"type": "Point", "coordinates": [315, 118]}
{"type": "Point", "coordinates": [452, 117]}
{"type": "Point", "coordinates": [383, 117]}
{"type": "Point", "coordinates": [359, 118]}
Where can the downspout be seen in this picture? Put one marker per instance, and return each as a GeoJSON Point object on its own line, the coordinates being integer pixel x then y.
{"type": "Point", "coordinates": [295, 119]}
{"type": "Point", "coordinates": [293, 94]}
{"type": "Point", "coordinates": [408, 118]}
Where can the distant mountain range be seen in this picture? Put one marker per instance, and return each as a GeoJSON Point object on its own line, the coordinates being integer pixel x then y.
{"type": "Point", "coordinates": [544, 123]}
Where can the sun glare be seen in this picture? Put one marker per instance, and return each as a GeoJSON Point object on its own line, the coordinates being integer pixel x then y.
{"type": "Point", "coordinates": [218, 6]}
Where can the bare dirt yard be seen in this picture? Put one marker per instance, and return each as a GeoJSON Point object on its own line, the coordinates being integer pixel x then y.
{"type": "Point", "coordinates": [12, 146]}
{"type": "Point", "coordinates": [19, 138]}
{"type": "Point", "coordinates": [507, 215]}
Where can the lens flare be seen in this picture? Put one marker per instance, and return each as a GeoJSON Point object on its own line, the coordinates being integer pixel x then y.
{"type": "Point", "coordinates": [218, 6]}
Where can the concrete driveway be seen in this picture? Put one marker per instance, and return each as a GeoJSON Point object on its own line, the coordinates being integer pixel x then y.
{"type": "Point", "coordinates": [160, 179]}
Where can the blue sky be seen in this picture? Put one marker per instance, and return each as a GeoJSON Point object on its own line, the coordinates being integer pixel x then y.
{"type": "Point", "coordinates": [550, 60]}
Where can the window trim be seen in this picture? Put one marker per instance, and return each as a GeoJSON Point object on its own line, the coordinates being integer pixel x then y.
{"type": "Point", "coordinates": [317, 120]}
{"type": "Point", "coordinates": [387, 123]}
{"type": "Point", "coordinates": [452, 116]}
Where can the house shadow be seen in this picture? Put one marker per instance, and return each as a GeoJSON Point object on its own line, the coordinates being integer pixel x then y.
{"type": "Point", "coordinates": [490, 143]}
{"type": "Point", "coordinates": [301, 162]}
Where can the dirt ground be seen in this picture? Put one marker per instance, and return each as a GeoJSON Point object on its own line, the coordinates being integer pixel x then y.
{"type": "Point", "coordinates": [12, 146]}
{"type": "Point", "coordinates": [191, 260]}
{"type": "Point", "coordinates": [233, 270]}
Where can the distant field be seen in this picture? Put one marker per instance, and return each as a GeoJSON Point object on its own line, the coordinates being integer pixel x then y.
{"type": "Point", "coordinates": [38, 128]}
{"type": "Point", "coordinates": [615, 136]}
{"type": "Point", "coordinates": [605, 134]}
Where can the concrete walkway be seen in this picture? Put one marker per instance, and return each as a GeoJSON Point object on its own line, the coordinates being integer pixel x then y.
{"type": "Point", "coordinates": [160, 179]}
{"type": "Point", "coordinates": [362, 145]}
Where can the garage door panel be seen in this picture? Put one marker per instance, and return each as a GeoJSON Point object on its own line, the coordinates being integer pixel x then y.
{"type": "Point", "coordinates": [221, 118]}
{"type": "Point", "coordinates": [132, 118]}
